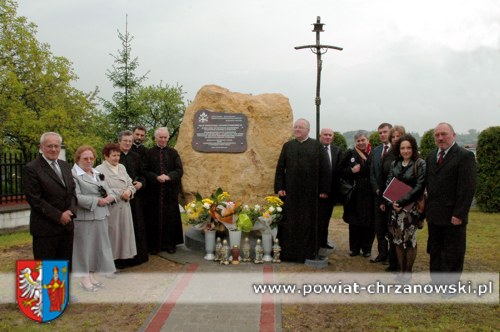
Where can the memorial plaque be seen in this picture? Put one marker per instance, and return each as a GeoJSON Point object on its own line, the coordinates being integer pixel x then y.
{"type": "Point", "coordinates": [219, 132]}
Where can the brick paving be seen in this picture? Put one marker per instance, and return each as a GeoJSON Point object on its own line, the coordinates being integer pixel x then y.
{"type": "Point", "coordinates": [210, 296]}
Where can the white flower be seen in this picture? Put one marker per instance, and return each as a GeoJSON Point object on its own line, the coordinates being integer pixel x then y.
{"type": "Point", "coordinates": [257, 207]}
{"type": "Point", "coordinates": [279, 209]}
{"type": "Point", "coordinates": [206, 206]}
{"type": "Point", "coordinates": [192, 205]}
{"type": "Point", "coordinates": [246, 207]}
{"type": "Point", "coordinates": [271, 209]}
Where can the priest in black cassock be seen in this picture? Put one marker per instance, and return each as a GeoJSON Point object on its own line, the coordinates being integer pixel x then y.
{"type": "Point", "coordinates": [163, 170]}
{"type": "Point", "coordinates": [302, 176]}
{"type": "Point", "coordinates": [133, 164]}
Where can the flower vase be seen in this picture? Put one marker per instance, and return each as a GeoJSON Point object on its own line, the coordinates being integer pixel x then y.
{"type": "Point", "coordinates": [209, 245]}
{"type": "Point", "coordinates": [267, 245]}
{"type": "Point", "coordinates": [235, 238]}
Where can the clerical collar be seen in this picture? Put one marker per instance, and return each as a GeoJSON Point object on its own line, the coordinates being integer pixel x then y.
{"type": "Point", "coordinates": [305, 139]}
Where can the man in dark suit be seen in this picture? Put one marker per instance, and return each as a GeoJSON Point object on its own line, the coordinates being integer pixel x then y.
{"type": "Point", "coordinates": [50, 191]}
{"type": "Point", "coordinates": [326, 204]}
{"type": "Point", "coordinates": [133, 164]}
{"type": "Point", "coordinates": [378, 155]}
{"type": "Point", "coordinates": [451, 183]}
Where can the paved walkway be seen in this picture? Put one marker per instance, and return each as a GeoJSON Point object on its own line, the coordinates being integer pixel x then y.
{"type": "Point", "coordinates": [210, 296]}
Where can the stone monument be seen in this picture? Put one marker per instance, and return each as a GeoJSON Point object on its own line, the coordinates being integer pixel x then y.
{"type": "Point", "coordinates": [233, 140]}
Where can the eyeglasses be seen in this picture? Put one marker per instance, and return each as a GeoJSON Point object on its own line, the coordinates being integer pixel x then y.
{"type": "Point", "coordinates": [53, 146]}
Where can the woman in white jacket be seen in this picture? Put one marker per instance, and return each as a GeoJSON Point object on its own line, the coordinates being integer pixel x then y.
{"type": "Point", "coordinates": [91, 246]}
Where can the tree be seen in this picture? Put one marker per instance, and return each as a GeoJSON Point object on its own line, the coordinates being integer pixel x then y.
{"type": "Point", "coordinates": [162, 106]}
{"type": "Point", "coordinates": [123, 111]}
{"type": "Point", "coordinates": [427, 143]}
{"type": "Point", "coordinates": [339, 140]}
{"type": "Point", "coordinates": [35, 89]}
{"type": "Point", "coordinates": [374, 139]}
{"type": "Point", "coordinates": [488, 172]}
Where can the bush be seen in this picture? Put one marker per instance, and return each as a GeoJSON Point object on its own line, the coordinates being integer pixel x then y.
{"type": "Point", "coordinates": [427, 143]}
{"type": "Point", "coordinates": [374, 139]}
{"type": "Point", "coordinates": [488, 172]}
{"type": "Point", "coordinates": [340, 141]}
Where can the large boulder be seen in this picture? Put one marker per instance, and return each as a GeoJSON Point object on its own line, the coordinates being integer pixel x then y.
{"type": "Point", "coordinates": [249, 175]}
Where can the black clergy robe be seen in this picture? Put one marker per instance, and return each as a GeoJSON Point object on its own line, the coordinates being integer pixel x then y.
{"type": "Point", "coordinates": [303, 172]}
{"type": "Point", "coordinates": [163, 226]}
{"type": "Point", "coordinates": [133, 164]}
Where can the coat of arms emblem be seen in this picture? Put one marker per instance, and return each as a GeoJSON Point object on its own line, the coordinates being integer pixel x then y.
{"type": "Point", "coordinates": [42, 288]}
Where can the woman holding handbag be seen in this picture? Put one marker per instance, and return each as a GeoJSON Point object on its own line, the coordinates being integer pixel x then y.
{"type": "Point", "coordinates": [405, 218]}
{"type": "Point", "coordinates": [358, 209]}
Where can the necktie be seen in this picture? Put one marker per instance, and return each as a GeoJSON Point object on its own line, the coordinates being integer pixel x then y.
{"type": "Point", "coordinates": [441, 156]}
{"type": "Point", "coordinates": [384, 153]}
{"type": "Point", "coordinates": [327, 151]}
{"type": "Point", "coordinates": [57, 170]}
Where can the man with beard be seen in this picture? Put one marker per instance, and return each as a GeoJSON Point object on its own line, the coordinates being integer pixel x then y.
{"type": "Point", "coordinates": [139, 133]}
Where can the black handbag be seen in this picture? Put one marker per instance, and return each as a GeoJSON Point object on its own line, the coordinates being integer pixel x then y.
{"type": "Point", "coordinates": [346, 189]}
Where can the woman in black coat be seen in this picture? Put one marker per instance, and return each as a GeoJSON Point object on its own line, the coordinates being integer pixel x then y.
{"type": "Point", "coordinates": [358, 210]}
{"type": "Point", "coordinates": [405, 218]}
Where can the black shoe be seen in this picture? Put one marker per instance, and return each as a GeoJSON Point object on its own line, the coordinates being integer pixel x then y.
{"type": "Point", "coordinates": [378, 259]}
{"type": "Point", "coordinates": [352, 253]}
{"type": "Point", "coordinates": [171, 250]}
{"type": "Point", "coordinates": [329, 247]}
{"type": "Point", "coordinates": [367, 254]}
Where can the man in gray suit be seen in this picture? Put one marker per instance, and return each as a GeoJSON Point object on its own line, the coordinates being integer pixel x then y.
{"type": "Point", "coordinates": [50, 191]}
{"type": "Point", "coordinates": [376, 179]}
{"type": "Point", "coordinates": [451, 183]}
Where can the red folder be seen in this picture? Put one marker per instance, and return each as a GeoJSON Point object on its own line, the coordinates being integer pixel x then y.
{"type": "Point", "coordinates": [395, 190]}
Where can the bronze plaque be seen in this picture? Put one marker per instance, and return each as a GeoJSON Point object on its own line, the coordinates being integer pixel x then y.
{"type": "Point", "coordinates": [219, 132]}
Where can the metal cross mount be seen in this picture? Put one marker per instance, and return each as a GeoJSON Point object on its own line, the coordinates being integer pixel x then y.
{"type": "Point", "coordinates": [318, 49]}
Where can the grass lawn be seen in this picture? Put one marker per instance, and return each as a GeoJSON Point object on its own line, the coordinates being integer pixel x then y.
{"type": "Point", "coordinates": [483, 248]}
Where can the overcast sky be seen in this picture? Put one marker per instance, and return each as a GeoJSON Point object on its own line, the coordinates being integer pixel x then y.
{"type": "Point", "coordinates": [414, 63]}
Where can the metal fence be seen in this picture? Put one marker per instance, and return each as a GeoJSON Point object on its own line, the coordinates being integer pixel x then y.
{"type": "Point", "coordinates": [11, 176]}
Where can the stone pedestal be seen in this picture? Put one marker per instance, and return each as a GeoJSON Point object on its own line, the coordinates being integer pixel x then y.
{"type": "Point", "coordinates": [248, 176]}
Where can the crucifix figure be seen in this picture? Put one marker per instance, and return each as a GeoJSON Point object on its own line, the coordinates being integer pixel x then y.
{"type": "Point", "coordinates": [318, 49]}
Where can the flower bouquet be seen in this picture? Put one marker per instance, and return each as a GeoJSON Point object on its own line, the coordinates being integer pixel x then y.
{"type": "Point", "coordinates": [224, 210]}
{"type": "Point", "coordinates": [268, 221]}
{"type": "Point", "coordinates": [198, 213]}
{"type": "Point", "coordinates": [247, 217]}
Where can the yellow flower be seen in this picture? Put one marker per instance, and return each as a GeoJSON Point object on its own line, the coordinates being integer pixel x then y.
{"type": "Point", "coordinates": [274, 200]}
{"type": "Point", "coordinates": [207, 201]}
{"type": "Point", "coordinates": [223, 196]}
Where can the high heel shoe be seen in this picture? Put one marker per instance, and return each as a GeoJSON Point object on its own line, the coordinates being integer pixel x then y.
{"type": "Point", "coordinates": [91, 289]}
